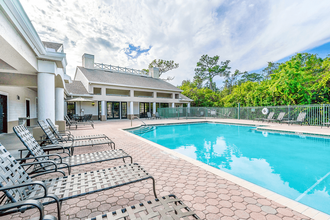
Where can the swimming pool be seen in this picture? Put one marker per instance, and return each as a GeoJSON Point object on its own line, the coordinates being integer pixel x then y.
{"type": "Point", "coordinates": [294, 166]}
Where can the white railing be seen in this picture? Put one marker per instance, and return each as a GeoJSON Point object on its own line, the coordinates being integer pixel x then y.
{"type": "Point", "coordinates": [119, 69]}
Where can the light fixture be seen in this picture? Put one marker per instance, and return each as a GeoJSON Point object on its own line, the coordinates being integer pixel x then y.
{"type": "Point", "coordinates": [93, 103]}
{"type": "Point", "coordinates": [18, 98]}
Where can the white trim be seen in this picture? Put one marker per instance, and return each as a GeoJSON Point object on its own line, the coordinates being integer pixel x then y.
{"type": "Point", "coordinates": [130, 86]}
{"type": "Point", "coordinates": [69, 94]}
{"type": "Point", "coordinates": [16, 14]}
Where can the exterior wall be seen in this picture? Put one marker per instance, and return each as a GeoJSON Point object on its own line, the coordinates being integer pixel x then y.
{"type": "Point", "coordinates": [10, 35]}
{"type": "Point", "coordinates": [16, 108]}
{"type": "Point", "coordinates": [88, 108]}
{"type": "Point", "coordinates": [104, 97]}
{"type": "Point", "coordinates": [81, 77]}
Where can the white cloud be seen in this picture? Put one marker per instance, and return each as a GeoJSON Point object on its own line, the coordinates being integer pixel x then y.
{"type": "Point", "coordinates": [249, 33]}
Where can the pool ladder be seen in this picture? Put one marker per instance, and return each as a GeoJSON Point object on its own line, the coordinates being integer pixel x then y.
{"type": "Point", "coordinates": [136, 117]}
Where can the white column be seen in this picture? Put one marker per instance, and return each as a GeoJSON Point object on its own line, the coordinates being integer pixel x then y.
{"type": "Point", "coordinates": [46, 96]}
{"type": "Point", "coordinates": [103, 108]}
{"type": "Point", "coordinates": [132, 93]}
{"type": "Point", "coordinates": [154, 108]}
{"type": "Point", "coordinates": [188, 104]}
{"type": "Point", "coordinates": [65, 108]}
{"type": "Point", "coordinates": [59, 104]}
{"type": "Point", "coordinates": [131, 106]}
{"type": "Point", "coordinates": [46, 90]}
{"type": "Point", "coordinates": [173, 105]}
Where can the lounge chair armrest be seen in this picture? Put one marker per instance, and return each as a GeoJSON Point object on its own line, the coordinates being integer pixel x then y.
{"type": "Point", "coordinates": [40, 162]}
{"type": "Point", "coordinates": [5, 209]}
{"type": "Point", "coordinates": [53, 147]}
{"type": "Point", "coordinates": [40, 183]}
{"type": "Point", "coordinates": [48, 155]}
{"type": "Point", "coordinates": [47, 172]}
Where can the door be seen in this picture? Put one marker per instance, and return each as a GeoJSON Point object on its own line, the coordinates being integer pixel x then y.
{"type": "Point", "coordinates": [113, 109]}
{"type": "Point", "coordinates": [99, 109]}
{"type": "Point", "coordinates": [27, 105]}
{"type": "Point", "coordinates": [144, 108]}
{"type": "Point", "coordinates": [123, 110]}
{"type": "Point", "coordinates": [3, 114]}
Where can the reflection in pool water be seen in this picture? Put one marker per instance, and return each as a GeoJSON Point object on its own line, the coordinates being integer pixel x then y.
{"type": "Point", "coordinates": [297, 167]}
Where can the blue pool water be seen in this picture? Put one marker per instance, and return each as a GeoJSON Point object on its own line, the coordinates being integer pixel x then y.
{"type": "Point", "coordinates": [297, 167]}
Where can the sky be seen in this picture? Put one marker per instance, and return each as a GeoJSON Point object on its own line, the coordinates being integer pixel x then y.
{"type": "Point", "coordinates": [132, 33]}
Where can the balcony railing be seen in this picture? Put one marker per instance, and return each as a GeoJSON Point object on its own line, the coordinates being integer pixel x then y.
{"type": "Point", "coordinates": [119, 69]}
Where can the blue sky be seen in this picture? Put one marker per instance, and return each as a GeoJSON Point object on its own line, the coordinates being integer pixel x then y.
{"type": "Point", "coordinates": [132, 33]}
{"type": "Point", "coordinates": [322, 51]}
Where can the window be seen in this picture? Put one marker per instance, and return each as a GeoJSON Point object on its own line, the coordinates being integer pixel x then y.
{"type": "Point", "coordinates": [164, 95]}
{"type": "Point", "coordinates": [164, 105]}
{"type": "Point", "coordinates": [71, 109]}
{"type": "Point", "coordinates": [144, 108]}
{"type": "Point", "coordinates": [176, 96]}
{"type": "Point", "coordinates": [97, 91]}
{"type": "Point", "coordinates": [143, 94]}
{"type": "Point", "coordinates": [117, 92]}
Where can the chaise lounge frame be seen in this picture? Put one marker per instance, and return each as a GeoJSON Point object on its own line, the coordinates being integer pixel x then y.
{"type": "Point", "coordinates": [18, 186]}
{"type": "Point", "coordinates": [73, 144]}
{"type": "Point", "coordinates": [36, 152]}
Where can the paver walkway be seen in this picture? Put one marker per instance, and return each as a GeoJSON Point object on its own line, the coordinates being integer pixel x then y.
{"type": "Point", "coordinates": [209, 195]}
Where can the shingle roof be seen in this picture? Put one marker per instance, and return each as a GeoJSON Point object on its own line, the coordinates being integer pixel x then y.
{"type": "Point", "coordinates": [95, 75]}
{"type": "Point", "coordinates": [76, 87]}
{"type": "Point", "coordinates": [185, 98]}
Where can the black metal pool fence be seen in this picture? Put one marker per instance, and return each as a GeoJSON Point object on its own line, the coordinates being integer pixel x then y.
{"type": "Point", "coordinates": [315, 114]}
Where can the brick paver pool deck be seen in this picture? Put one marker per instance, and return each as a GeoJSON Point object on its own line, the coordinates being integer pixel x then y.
{"type": "Point", "coordinates": [211, 193]}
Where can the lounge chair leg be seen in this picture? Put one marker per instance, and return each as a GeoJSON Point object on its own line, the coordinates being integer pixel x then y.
{"type": "Point", "coordinates": [58, 202]}
{"type": "Point", "coordinates": [154, 186]}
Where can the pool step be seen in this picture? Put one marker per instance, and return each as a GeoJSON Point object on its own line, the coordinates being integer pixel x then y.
{"type": "Point", "coordinates": [144, 129]}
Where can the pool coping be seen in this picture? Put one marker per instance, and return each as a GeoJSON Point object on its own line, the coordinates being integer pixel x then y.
{"type": "Point", "coordinates": [290, 203]}
{"type": "Point", "coordinates": [292, 132]}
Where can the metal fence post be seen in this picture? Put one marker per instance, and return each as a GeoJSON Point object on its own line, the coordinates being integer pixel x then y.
{"type": "Point", "coordinates": [239, 110]}
{"type": "Point", "coordinates": [288, 112]}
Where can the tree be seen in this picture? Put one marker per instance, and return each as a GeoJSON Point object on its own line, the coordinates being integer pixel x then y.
{"type": "Point", "coordinates": [232, 79]}
{"type": "Point", "coordinates": [164, 66]}
{"type": "Point", "coordinates": [208, 68]}
{"type": "Point", "coordinates": [270, 69]}
{"type": "Point", "coordinates": [198, 81]}
{"type": "Point", "coordinates": [253, 77]}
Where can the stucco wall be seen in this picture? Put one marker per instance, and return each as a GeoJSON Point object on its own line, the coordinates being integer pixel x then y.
{"type": "Point", "coordinates": [10, 35]}
{"type": "Point", "coordinates": [88, 108]}
{"type": "Point", "coordinates": [16, 108]}
{"type": "Point", "coordinates": [81, 77]}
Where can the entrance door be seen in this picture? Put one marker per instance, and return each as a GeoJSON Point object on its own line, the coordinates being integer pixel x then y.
{"type": "Point", "coordinates": [99, 109]}
{"type": "Point", "coordinates": [27, 104]}
{"type": "Point", "coordinates": [3, 114]}
{"type": "Point", "coordinates": [113, 109]}
{"type": "Point", "coordinates": [144, 108]}
{"type": "Point", "coordinates": [123, 110]}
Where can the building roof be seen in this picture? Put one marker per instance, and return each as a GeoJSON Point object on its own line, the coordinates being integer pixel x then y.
{"type": "Point", "coordinates": [185, 98]}
{"type": "Point", "coordinates": [76, 87]}
{"type": "Point", "coordinates": [126, 79]}
{"type": "Point", "coordinates": [52, 45]}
